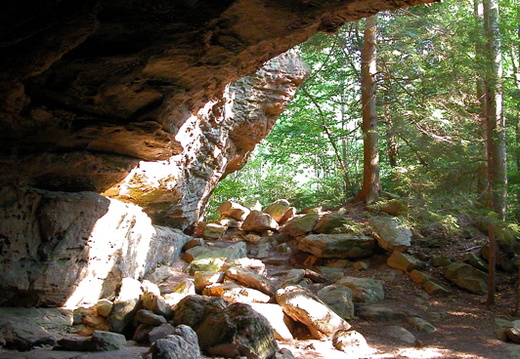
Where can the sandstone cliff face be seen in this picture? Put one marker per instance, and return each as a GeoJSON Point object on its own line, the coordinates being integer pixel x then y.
{"type": "Point", "coordinates": [60, 248]}
{"type": "Point", "coordinates": [94, 95]}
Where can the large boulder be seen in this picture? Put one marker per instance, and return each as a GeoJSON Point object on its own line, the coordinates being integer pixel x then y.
{"type": "Point", "coordinates": [301, 225]}
{"type": "Point", "coordinates": [467, 277]}
{"type": "Point", "coordinates": [233, 210]}
{"type": "Point", "coordinates": [228, 330]}
{"type": "Point", "coordinates": [365, 290]}
{"type": "Point", "coordinates": [70, 248]}
{"type": "Point", "coordinates": [343, 245]}
{"type": "Point", "coordinates": [126, 305]}
{"type": "Point", "coordinates": [259, 222]}
{"type": "Point", "coordinates": [182, 344]}
{"type": "Point", "coordinates": [339, 299]}
{"type": "Point", "coordinates": [278, 209]}
{"type": "Point", "coordinates": [304, 307]}
{"type": "Point", "coordinates": [391, 233]}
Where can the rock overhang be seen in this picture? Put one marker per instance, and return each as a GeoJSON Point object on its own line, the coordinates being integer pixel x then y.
{"type": "Point", "coordinates": [93, 93]}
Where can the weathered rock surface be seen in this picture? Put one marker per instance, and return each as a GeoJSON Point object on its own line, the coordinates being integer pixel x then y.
{"type": "Point", "coordinates": [259, 222]}
{"type": "Point", "coordinates": [402, 261]}
{"type": "Point", "coordinates": [23, 336]}
{"type": "Point", "coordinates": [233, 210]}
{"type": "Point", "coordinates": [301, 305]}
{"type": "Point", "coordinates": [300, 226]}
{"type": "Point", "coordinates": [467, 277]}
{"type": "Point", "coordinates": [339, 299]}
{"type": "Point", "coordinates": [182, 344]}
{"type": "Point", "coordinates": [512, 331]}
{"type": "Point", "coordinates": [228, 330]}
{"type": "Point", "coordinates": [251, 279]}
{"type": "Point", "coordinates": [343, 245]}
{"type": "Point", "coordinates": [365, 290]}
{"type": "Point", "coordinates": [379, 313]}
{"type": "Point", "coordinates": [391, 233]}
{"type": "Point", "coordinates": [351, 342]}
{"type": "Point", "coordinates": [66, 248]}
{"type": "Point", "coordinates": [93, 94]}
{"type": "Point", "coordinates": [278, 209]}
{"type": "Point", "coordinates": [126, 305]}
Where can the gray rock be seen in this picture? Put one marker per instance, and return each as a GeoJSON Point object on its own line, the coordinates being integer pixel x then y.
{"type": "Point", "coordinates": [283, 353]}
{"type": "Point", "coordinates": [23, 336]}
{"type": "Point", "coordinates": [204, 279]}
{"type": "Point", "coordinates": [351, 342]}
{"type": "Point", "coordinates": [379, 313]}
{"type": "Point", "coordinates": [339, 299]}
{"type": "Point", "coordinates": [441, 260]}
{"type": "Point", "coordinates": [152, 300]}
{"type": "Point", "coordinates": [467, 277]}
{"type": "Point", "coordinates": [392, 234]}
{"type": "Point", "coordinates": [276, 317]}
{"type": "Point", "coordinates": [331, 222]}
{"type": "Point", "coordinates": [402, 261]}
{"type": "Point", "coordinates": [125, 305]}
{"type": "Point", "coordinates": [175, 347]}
{"type": "Point", "coordinates": [145, 316]}
{"type": "Point", "coordinates": [214, 230]}
{"type": "Point", "coordinates": [343, 245]}
{"type": "Point", "coordinates": [207, 259]}
{"type": "Point", "coordinates": [141, 334]}
{"type": "Point", "coordinates": [233, 292]}
{"type": "Point", "coordinates": [365, 290]}
{"type": "Point", "coordinates": [422, 325]}
{"type": "Point", "coordinates": [228, 330]}
{"type": "Point", "coordinates": [71, 248]}
{"type": "Point", "coordinates": [107, 341]}
{"type": "Point", "coordinates": [512, 331]}
{"type": "Point", "coordinates": [435, 289]}
{"type": "Point", "coordinates": [293, 276]}
{"type": "Point", "coordinates": [160, 332]}
{"type": "Point", "coordinates": [104, 307]}
{"type": "Point", "coordinates": [300, 226]}
{"type": "Point", "coordinates": [476, 261]}
{"type": "Point", "coordinates": [399, 334]}
{"type": "Point", "coordinates": [304, 307]}
{"type": "Point", "coordinates": [251, 279]}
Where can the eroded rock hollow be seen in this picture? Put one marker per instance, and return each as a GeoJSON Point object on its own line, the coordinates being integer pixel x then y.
{"type": "Point", "coordinates": [137, 101]}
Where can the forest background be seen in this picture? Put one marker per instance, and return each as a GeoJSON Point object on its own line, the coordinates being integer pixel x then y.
{"type": "Point", "coordinates": [432, 141]}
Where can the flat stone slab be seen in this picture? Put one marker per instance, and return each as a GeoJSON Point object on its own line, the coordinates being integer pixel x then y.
{"type": "Point", "coordinates": [344, 245]}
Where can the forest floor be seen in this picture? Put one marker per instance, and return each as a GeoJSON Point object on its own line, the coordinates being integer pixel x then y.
{"type": "Point", "coordinates": [466, 327]}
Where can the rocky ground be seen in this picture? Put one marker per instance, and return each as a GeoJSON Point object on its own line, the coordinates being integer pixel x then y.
{"type": "Point", "coordinates": [412, 321]}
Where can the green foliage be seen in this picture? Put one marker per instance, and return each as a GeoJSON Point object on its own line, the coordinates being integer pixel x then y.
{"type": "Point", "coordinates": [430, 137]}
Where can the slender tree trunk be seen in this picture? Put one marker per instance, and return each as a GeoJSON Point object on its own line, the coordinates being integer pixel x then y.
{"type": "Point", "coordinates": [494, 104]}
{"type": "Point", "coordinates": [495, 133]}
{"type": "Point", "coordinates": [480, 51]}
{"type": "Point", "coordinates": [371, 185]}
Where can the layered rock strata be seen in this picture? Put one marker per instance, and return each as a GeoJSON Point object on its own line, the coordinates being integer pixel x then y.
{"type": "Point", "coordinates": [128, 98]}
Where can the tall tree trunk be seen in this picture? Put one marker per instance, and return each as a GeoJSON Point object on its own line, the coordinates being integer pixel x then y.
{"type": "Point", "coordinates": [494, 110]}
{"type": "Point", "coordinates": [371, 184]}
{"type": "Point", "coordinates": [495, 131]}
{"type": "Point", "coordinates": [480, 51]}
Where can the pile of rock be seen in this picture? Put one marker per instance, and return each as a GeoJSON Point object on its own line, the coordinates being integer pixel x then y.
{"type": "Point", "coordinates": [262, 276]}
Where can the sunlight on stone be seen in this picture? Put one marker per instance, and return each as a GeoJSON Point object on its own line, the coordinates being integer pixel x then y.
{"type": "Point", "coordinates": [110, 236]}
{"type": "Point", "coordinates": [305, 303]}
